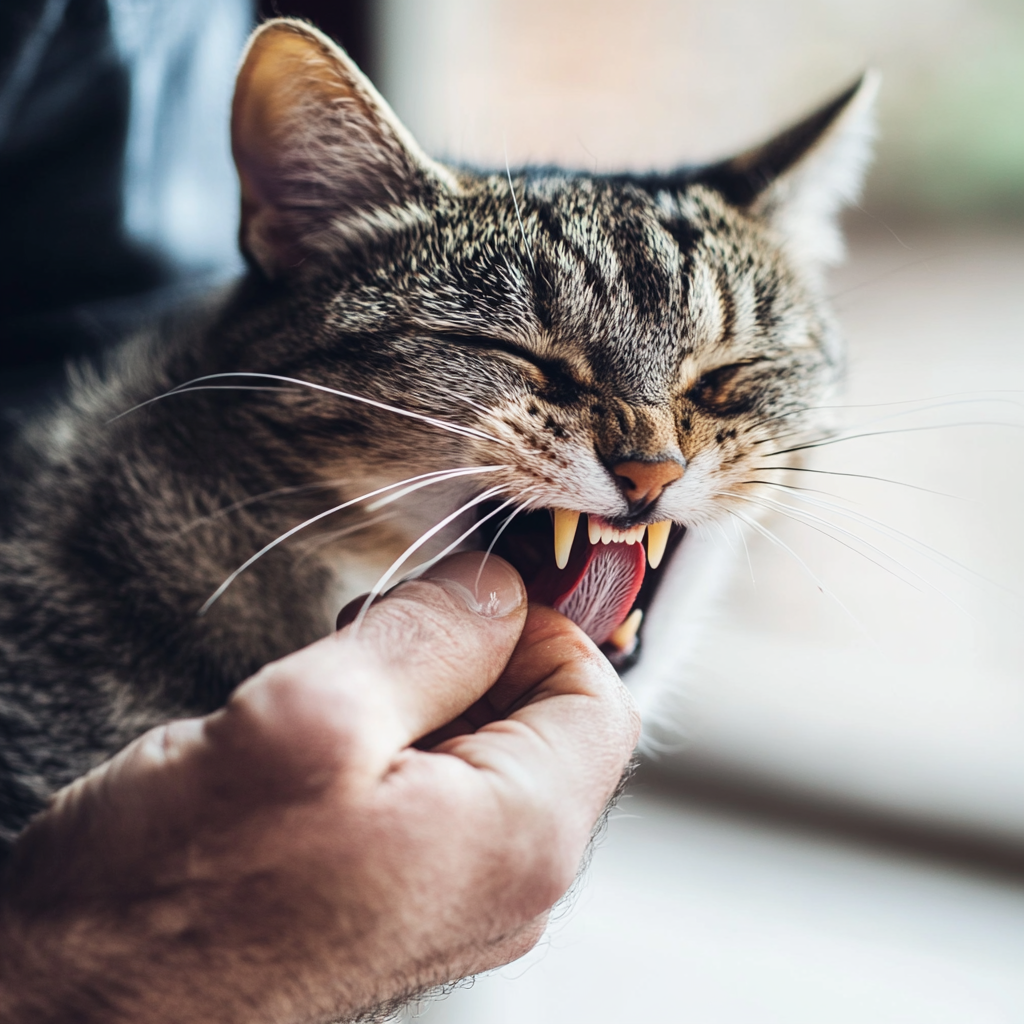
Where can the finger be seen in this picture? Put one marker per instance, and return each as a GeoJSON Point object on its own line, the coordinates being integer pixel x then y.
{"type": "Point", "coordinates": [419, 658]}
{"type": "Point", "coordinates": [569, 734]}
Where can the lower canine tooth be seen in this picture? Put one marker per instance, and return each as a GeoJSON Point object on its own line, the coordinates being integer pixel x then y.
{"type": "Point", "coordinates": [565, 531]}
{"type": "Point", "coordinates": [622, 639]}
{"type": "Point", "coordinates": [657, 541]}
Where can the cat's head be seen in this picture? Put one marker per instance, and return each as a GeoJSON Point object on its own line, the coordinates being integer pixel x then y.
{"type": "Point", "coordinates": [632, 348]}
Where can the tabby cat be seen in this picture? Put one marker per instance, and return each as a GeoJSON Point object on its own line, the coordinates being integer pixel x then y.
{"type": "Point", "coordinates": [417, 352]}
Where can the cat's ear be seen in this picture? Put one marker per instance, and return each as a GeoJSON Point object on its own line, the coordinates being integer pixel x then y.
{"type": "Point", "coordinates": [801, 178]}
{"type": "Point", "coordinates": [321, 158]}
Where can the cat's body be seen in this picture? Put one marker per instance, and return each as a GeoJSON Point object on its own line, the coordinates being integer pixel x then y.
{"type": "Point", "coordinates": [538, 331]}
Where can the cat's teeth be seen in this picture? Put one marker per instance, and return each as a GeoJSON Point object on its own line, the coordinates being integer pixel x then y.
{"type": "Point", "coordinates": [657, 541]}
{"type": "Point", "coordinates": [602, 533]}
{"type": "Point", "coordinates": [624, 637]}
{"type": "Point", "coordinates": [565, 531]}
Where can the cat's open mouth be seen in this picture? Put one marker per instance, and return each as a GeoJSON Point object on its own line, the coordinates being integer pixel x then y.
{"type": "Point", "coordinates": [600, 576]}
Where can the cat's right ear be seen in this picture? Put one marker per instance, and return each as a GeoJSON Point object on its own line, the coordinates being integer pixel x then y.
{"type": "Point", "coordinates": [800, 179]}
{"type": "Point", "coordinates": [321, 158]}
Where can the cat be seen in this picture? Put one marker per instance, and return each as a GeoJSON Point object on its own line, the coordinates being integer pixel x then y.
{"type": "Point", "coordinates": [417, 352]}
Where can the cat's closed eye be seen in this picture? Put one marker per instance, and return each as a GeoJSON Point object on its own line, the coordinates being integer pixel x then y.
{"type": "Point", "coordinates": [552, 377]}
{"type": "Point", "coordinates": [726, 391]}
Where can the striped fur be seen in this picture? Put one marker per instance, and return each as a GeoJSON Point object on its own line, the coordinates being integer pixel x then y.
{"type": "Point", "coordinates": [559, 322]}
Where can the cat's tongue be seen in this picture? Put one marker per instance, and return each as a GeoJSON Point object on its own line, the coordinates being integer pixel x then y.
{"type": "Point", "coordinates": [597, 587]}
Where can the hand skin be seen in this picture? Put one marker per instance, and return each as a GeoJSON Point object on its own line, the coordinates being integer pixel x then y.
{"type": "Point", "coordinates": [294, 857]}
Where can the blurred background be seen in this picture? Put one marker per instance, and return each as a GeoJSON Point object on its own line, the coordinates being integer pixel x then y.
{"type": "Point", "coordinates": [829, 821]}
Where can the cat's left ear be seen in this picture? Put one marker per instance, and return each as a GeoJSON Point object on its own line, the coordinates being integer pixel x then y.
{"type": "Point", "coordinates": [800, 179]}
{"type": "Point", "coordinates": [321, 157]}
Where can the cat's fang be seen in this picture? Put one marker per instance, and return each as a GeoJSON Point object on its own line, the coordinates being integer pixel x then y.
{"type": "Point", "coordinates": [565, 531]}
{"type": "Point", "coordinates": [624, 638]}
{"type": "Point", "coordinates": [657, 541]}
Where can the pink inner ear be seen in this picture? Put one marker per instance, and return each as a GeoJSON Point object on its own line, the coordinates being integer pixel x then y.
{"type": "Point", "coordinates": [310, 141]}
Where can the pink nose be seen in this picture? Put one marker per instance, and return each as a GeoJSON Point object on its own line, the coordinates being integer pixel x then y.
{"type": "Point", "coordinates": [643, 482]}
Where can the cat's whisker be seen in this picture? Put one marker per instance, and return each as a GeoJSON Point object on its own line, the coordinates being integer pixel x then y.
{"type": "Point", "coordinates": [934, 555]}
{"type": "Point", "coordinates": [770, 536]}
{"type": "Point", "coordinates": [725, 537]}
{"type": "Point", "coordinates": [420, 569]}
{"type": "Point", "coordinates": [821, 443]}
{"type": "Point", "coordinates": [746, 551]}
{"type": "Point", "coordinates": [931, 406]}
{"type": "Point", "coordinates": [310, 547]}
{"type": "Point", "coordinates": [389, 573]}
{"type": "Point", "coordinates": [776, 507]}
{"type": "Point", "coordinates": [945, 403]}
{"type": "Point", "coordinates": [778, 542]}
{"type": "Point", "coordinates": [437, 477]}
{"type": "Point", "coordinates": [808, 519]}
{"type": "Point", "coordinates": [791, 487]}
{"type": "Point", "coordinates": [183, 389]}
{"type": "Point", "coordinates": [263, 496]}
{"type": "Point", "coordinates": [501, 529]}
{"type": "Point", "coordinates": [519, 216]}
{"type": "Point", "coordinates": [859, 476]}
{"type": "Point", "coordinates": [414, 485]}
{"type": "Point", "coordinates": [455, 428]}
{"type": "Point", "coordinates": [975, 396]}
{"type": "Point", "coordinates": [318, 486]}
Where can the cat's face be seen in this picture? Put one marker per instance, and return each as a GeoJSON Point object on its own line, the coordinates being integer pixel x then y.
{"type": "Point", "coordinates": [627, 349]}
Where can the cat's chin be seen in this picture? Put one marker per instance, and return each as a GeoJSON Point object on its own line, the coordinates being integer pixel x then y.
{"type": "Point", "coordinates": [606, 581]}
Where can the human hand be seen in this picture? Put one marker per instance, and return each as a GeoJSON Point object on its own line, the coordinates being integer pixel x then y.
{"type": "Point", "coordinates": [293, 857]}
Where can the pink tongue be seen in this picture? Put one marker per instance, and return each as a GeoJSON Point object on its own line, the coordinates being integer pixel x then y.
{"type": "Point", "coordinates": [596, 589]}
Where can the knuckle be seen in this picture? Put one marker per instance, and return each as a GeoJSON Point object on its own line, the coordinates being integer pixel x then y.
{"type": "Point", "coordinates": [280, 729]}
{"type": "Point", "coordinates": [545, 855]}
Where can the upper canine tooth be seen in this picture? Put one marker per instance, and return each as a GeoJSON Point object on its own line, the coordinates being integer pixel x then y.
{"type": "Point", "coordinates": [565, 531]}
{"type": "Point", "coordinates": [657, 541]}
{"type": "Point", "coordinates": [593, 529]}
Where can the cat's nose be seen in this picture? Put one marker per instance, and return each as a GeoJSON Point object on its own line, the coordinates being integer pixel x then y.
{"type": "Point", "coordinates": [643, 482]}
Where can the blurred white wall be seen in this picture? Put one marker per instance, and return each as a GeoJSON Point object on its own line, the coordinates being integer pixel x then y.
{"type": "Point", "coordinates": [606, 84]}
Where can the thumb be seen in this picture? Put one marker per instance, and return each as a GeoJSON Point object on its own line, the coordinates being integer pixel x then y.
{"type": "Point", "coordinates": [421, 656]}
{"type": "Point", "coordinates": [442, 640]}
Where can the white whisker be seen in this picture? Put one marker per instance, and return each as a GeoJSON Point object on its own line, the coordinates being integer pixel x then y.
{"type": "Point", "coordinates": [746, 551]}
{"type": "Point", "coordinates": [455, 428]}
{"type": "Point", "coordinates": [808, 519]}
{"type": "Point", "coordinates": [379, 586]}
{"type": "Point", "coordinates": [907, 540]}
{"type": "Point", "coordinates": [860, 476]}
{"type": "Point", "coordinates": [501, 529]}
{"type": "Point", "coordinates": [766, 533]}
{"type": "Point", "coordinates": [428, 479]}
{"type": "Point", "coordinates": [263, 496]}
{"type": "Point", "coordinates": [519, 216]}
{"type": "Point", "coordinates": [420, 569]}
{"type": "Point", "coordinates": [823, 442]}
{"type": "Point", "coordinates": [308, 547]}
